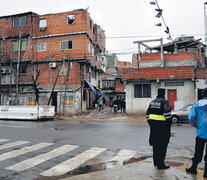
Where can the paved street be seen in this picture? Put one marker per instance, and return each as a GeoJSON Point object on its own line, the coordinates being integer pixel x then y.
{"type": "Point", "coordinates": [74, 145]}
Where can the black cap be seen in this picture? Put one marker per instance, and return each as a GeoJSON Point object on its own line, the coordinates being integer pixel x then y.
{"type": "Point", "coordinates": [205, 92]}
{"type": "Point", "coordinates": [161, 92]}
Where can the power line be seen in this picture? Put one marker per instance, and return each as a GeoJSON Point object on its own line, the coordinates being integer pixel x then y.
{"type": "Point", "coordinates": [138, 36]}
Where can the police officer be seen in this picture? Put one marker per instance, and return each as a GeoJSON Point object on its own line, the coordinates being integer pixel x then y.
{"type": "Point", "coordinates": [159, 119]}
{"type": "Point", "coordinates": [198, 118]}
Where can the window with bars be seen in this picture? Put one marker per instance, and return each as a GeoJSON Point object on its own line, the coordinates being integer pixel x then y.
{"type": "Point", "coordinates": [66, 44]}
{"type": "Point", "coordinates": [175, 83]}
{"type": "Point", "coordinates": [142, 91]}
{"type": "Point", "coordinates": [20, 21]}
{"type": "Point", "coordinates": [41, 47]}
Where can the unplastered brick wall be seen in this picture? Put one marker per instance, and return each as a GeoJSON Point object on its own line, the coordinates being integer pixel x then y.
{"type": "Point", "coordinates": [169, 57]}
{"type": "Point", "coordinates": [7, 29]}
{"type": "Point", "coordinates": [45, 73]}
{"type": "Point", "coordinates": [58, 24]}
{"type": "Point", "coordinates": [159, 73]}
{"type": "Point", "coordinates": [118, 86]}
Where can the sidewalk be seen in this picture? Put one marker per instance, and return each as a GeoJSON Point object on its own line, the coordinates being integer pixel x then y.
{"type": "Point", "coordinates": [143, 170]}
{"type": "Point", "coordinates": [102, 116]}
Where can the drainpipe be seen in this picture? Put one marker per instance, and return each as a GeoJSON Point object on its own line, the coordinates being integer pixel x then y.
{"type": "Point", "coordinates": [11, 73]}
{"type": "Point", "coordinates": [18, 62]}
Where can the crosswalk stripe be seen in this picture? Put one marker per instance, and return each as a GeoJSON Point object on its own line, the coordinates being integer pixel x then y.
{"type": "Point", "coordinates": [29, 163]}
{"type": "Point", "coordinates": [73, 163]}
{"type": "Point", "coordinates": [3, 140]}
{"type": "Point", "coordinates": [124, 155]}
{"type": "Point", "coordinates": [13, 144]}
{"type": "Point", "coordinates": [24, 150]}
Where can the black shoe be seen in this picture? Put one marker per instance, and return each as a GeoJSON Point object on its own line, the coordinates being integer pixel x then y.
{"type": "Point", "coordinates": [191, 170]}
{"type": "Point", "coordinates": [163, 167]}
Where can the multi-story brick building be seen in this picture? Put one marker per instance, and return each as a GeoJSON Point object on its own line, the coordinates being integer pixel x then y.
{"type": "Point", "coordinates": [179, 67]}
{"type": "Point", "coordinates": [58, 62]}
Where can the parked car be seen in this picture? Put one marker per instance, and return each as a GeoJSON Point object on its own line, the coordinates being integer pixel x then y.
{"type": "Point", "coordinates": [182, 114]}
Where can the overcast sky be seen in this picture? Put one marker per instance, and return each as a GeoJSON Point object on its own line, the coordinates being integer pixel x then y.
{"type": "Point", "coordinates": [124, 21]}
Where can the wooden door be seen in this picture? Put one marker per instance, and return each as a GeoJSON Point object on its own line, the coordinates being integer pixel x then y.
{"type": "Point", "coordinates": [172, 97]}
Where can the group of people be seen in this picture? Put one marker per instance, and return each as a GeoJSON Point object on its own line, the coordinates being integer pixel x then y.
{"type": "Point", "coordinates": [114, 105]}
{"type": "Point", "coordinates": [118, 104]}
{"type": "Point", "coordinates": [160, 120]}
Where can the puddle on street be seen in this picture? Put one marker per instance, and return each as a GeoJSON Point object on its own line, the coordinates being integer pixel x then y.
{"type": "Point", "coordinates": [84, 169]}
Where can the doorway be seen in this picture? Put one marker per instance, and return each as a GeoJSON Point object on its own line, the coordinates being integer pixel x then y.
{"type": "Point", "coordinates": [172, 97]}
{"type": "Point", "coordinates": [54, 100]}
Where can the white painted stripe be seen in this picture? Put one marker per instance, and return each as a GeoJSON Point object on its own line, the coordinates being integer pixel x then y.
{"type": "Point", "coordinates": [29, 163]}
{"type": "Point", "coordinates": [124, 155]}
{"type": "Point", "coordinates": [3, 140]}
{"type": "Point", "coordinates": [24, 150]}
{"type": "Point", "coordinates": [73, 163]}
{"type": "Point", "coordinates": [13, 144]}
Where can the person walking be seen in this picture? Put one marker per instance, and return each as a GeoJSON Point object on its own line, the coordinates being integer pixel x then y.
{"type": "Point", "coordinates": [100, 103]}
{"type": "Point", "coordinates": [198, 118]}
{"type": "Point", "coordinates": [115, 105]}
{"type": "Point", "coordinates": [123, 105]}
{"type": "Point", "coordinates": [160, 120]}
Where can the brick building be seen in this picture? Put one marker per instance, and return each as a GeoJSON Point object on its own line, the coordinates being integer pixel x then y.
{"type": "Point", "coordinates": [179, 67]}
{"type": "Point", "coordinates": [51, 59]}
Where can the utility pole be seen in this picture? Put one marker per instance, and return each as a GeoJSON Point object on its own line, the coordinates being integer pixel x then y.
{"type": "Point", "coordinates": [0, 73]}
{"type": "Point", "coordinates": [18, 62]}
{"type": "Point", "coordinates": [11, 73]}
{"type": "Point", "coordinates": [66, 85]}
{"type": "Point", "coordinates": [62, 78]}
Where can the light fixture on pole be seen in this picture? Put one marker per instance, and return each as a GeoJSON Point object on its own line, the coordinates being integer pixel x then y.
{"type": "Point", "coordinates": [158, 24]}
{"type": "Point", "coordinates": [152, 3]}
{"type": "Point", "coordinates": [167, 30]}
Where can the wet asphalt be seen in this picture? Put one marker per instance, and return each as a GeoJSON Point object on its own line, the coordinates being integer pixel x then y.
{"type": "Point", "coordinates": [106, 130]}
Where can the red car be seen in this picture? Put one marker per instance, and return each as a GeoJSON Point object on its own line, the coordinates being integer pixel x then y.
{"type": "Point", "coordinates": [182, 114]}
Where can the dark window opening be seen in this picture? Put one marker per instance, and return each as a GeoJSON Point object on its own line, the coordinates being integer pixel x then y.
{"type": "Point", "coordinates": [70, 19]}
{"type": "Point", "coordinates": [66, 45]}
{"type": "Point", "coordinates": [142, 91]}
{"type": "Point", "coordinates": [23, 68]}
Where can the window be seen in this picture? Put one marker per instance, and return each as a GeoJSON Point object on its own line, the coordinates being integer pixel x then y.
{"type": "Point", "coordinates": [23, 68]}
{"type": "Point", "coordinates": [42, 24]}
{"type": "Point", "coordinates": [70, 19]}
{"type": "Point", "coordinates": [174, 83]}
{"type": "Point", "coordinates": [41, 47]}
{"type": "Point", "coordinates": [142, 91]}
{"type": "Point", "coordinates": [66, 45]}
{"type": "Point", "coordinates": [89, 47]}
{"type": "Point", "coordinates": [90, 25]}
{"type": "Point", "coordinates": [20, 21]}
{"type": "Point", "coordinates": [109, 83]}
{"type": "Point", "coordinates": [15, 45]}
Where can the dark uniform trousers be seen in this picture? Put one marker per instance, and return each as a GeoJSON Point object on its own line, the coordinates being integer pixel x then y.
{"type": "Point", "coordinates": [159, 139]}
{"type": "Point", "coordinates": [199, 148]}
{"type": "Point", "coordinates": [159, 153]}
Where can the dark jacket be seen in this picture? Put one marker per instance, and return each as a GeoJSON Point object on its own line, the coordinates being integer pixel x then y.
{"type": "Point", "coordinates": [159, 118]}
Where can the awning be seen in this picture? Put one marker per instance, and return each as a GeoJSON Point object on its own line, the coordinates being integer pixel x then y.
{"type": "Point", "coordinates": [90, 86]}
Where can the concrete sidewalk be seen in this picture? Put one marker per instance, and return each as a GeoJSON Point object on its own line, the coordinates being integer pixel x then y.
{"type": "Point", "coordinates": [142, 170]}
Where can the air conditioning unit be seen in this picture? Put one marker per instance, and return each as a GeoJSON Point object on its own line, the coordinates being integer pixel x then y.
{"type": "Point", "coordinates": [53, 65]}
